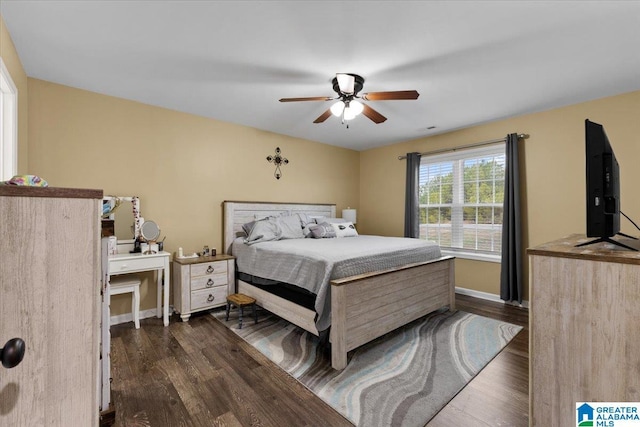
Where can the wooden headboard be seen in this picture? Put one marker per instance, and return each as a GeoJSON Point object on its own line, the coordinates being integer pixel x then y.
{"type": "Point", "coordinates": [238, 213]}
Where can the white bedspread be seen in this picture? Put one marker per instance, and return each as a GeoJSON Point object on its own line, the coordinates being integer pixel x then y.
{"type": "Point", "coordinates": [312, 263]}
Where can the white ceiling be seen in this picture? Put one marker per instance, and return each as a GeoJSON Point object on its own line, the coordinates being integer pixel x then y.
{"type": "Point", "coordinates": [471, 61]}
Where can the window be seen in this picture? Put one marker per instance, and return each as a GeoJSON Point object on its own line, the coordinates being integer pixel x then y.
{"type": "Point", "coordinates": [461, 198]}
{"type": "Point", "coordinates": [8, 125]}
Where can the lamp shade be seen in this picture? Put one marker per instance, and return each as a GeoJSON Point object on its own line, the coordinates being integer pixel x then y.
{"type": "Point", "coordinates": [337, 108]}
{"type": "Point", "coordinates": [349, 215]}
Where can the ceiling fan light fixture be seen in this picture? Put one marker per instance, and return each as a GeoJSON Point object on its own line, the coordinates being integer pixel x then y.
{"type": "Point", "coordinates": [352, 110]}
{"type": "Point", "coordinates": [337, 108]}
{"type": "Point", "coordinates": [348, 86]}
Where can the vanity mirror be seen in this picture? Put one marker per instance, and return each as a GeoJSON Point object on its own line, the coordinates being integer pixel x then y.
{"type": "Point", "coordinates": [125, 212]}
{"type": "Point", "coordinates": [150, 233]}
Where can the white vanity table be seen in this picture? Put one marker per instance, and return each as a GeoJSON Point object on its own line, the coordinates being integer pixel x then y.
{"type": "Point", "coordinates": [125, 262]}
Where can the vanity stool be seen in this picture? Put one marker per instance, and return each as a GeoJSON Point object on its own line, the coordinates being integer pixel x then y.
{"type": "Point", "coordinates": [241, 301]}
{"type": "Point", "coordinates": [128, 283]}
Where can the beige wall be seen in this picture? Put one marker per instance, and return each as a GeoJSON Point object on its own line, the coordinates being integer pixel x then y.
{"type": "Point", "coordinates": [553, 185]}
{"type": "Point", "coordinates": [19, 77]}
{"type": "Point", "coordinates": [181, 166]}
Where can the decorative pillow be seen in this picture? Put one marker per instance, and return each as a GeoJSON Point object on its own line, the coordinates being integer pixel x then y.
{"type": "Point", "coordinates": [306, 231]}
{"type": "Point", "coordinates": [247, 227]}
{"type": "Point", "coordinates": [305, 222]}
{"type": "Point", "coordinates": [322, 231]}
{"type": "Point", "coordinates": [290, 226]}
{"type": "Point", "coordinates": [264, 231]}
{"type": "Point", "coordinates": [328, 220]}
{"type": "Point", "coordinates": [345, 229]}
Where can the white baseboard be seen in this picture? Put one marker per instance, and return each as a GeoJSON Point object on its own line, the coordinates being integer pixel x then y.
{"type": "Point", "coordinates": [128, 317]}
{"type": "Point", "coordinates": [488, 296]}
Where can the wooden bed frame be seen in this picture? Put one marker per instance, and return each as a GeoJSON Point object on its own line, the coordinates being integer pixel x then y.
{"type": "Point", "coordinates": [363, 307]}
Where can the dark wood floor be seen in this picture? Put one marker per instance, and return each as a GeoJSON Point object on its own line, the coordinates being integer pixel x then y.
{"type": "Point", "coordinates": [201, 374]}
{"type": "Point", "coordinates": [499, 394]}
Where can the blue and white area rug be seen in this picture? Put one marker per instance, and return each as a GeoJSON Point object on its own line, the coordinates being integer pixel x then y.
{"type": "Point", "coordinates": [401, 379]}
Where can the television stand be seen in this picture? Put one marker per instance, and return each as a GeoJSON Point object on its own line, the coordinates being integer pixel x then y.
{"type": "Point", "coordinates": [626, 235]}
{"type": "Point", "coordinates": [610, 240]}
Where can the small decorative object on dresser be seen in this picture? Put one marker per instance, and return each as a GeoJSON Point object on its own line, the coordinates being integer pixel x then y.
{"type": "Point", "coordinates": [202, 283]}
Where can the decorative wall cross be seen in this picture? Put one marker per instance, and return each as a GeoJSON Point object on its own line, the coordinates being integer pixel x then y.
{"type": "Point", "coordinates": [277, 160]}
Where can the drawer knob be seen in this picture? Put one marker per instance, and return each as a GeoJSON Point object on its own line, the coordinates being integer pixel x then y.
{"type": "Point", "coordinates": [210, 298]}
{"type": "Point", "coordinates": [12, 353]}
{"type": "Point", "coordinates": [209, 283]}
{"type": "Point", "coordinates": [210, 269]}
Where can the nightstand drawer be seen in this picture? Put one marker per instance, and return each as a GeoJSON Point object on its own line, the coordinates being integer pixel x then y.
{"type": "Point", "coordinates": [208, 268]}
{"type": "Point", "coordinates": [209, 281]}
{"type": "Point", "coordinates": [208, 297]}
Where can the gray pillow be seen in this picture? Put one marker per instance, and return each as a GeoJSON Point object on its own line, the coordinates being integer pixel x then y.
{"type": "Point", "coordinates": [322, 231]}
{"type": "Point", "coordinates": [264, 231]}
{"type": "Point", "coordinates": [290, 226]}
{"type": "Point", "coordinates": [247, 227]}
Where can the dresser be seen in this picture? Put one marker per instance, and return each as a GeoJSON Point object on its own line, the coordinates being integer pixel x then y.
{"type": "Point", "coordinates": [202, 283]}
{"type": "Point", "coordinates": [583, 326]}
{"type": "Point", "coordinates": [50, 292]}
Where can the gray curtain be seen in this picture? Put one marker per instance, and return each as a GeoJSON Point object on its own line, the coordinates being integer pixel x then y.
{"type": "Point", "coordinates": [411, 214]}
{"type": "Point", "coordinates": [511, 264]}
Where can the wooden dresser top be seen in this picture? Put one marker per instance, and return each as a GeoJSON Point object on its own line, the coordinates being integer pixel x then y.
{"type": "Point", "coordinates": [603, 251]}
{"type": "Point", "coordinates": [71, 193]}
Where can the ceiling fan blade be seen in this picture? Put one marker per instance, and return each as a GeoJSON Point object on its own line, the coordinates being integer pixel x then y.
{"type": "Point", "coordinates": [346, 83]}
{"type": "Point", "coordinates": [373, 114]}
{"type": "Point", "coordinates": [312, 98]}
{"type": "Point", "coordinates": [388, 96]}
{"type": "Point", "coordinates": [324, 116]}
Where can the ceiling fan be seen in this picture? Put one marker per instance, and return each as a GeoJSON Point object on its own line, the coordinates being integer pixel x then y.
{"type": "Point", "coordinates": [348, 87]}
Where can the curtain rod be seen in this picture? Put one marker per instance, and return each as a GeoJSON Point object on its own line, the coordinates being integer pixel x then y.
{"type": "Point", "coordinates": [462, 147]}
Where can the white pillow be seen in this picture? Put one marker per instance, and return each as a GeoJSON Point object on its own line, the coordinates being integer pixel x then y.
{"type": "Point", "coordinates": [344, 229]}
{"type": "Point", "coordinates": [321, 219]}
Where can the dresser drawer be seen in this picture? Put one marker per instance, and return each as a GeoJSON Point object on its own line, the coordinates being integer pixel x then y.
{"type": "Point", "coordinates": [208, 268]}
{"type": "Point", "coordinates": [209, 281]}
{"type": "Point", "coordinates": [208, 297]}
{"type": "Point", "coordinates": [142, 263]}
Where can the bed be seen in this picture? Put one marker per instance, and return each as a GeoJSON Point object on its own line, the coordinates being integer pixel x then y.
{"type": "Point", "coordinates": [360, 307]}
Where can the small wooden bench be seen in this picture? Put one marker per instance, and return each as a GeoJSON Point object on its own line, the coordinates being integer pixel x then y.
{"type": "Point", "coordinates": [241, 301]}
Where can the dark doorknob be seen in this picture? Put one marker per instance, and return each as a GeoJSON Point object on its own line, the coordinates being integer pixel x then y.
{"type": "Point", "coordinates": [12, 352]}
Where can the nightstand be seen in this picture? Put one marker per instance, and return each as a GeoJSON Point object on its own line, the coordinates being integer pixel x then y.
{"type": "Point", "coordinates": [202, 283]}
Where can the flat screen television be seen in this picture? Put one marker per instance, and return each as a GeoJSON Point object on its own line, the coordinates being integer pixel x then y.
{"type": "Point", "coordinates": [603, 187]}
